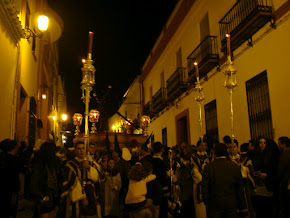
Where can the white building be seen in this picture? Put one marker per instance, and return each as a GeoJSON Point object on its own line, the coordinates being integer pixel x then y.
{"type": "Point", "coordinates": [195, 31]}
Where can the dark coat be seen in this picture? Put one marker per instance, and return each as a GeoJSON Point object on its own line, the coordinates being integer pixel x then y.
{"type": "Point", "coordinates": [222, 187]}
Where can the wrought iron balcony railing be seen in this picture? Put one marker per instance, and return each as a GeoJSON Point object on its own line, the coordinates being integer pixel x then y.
{"type": "Point", "coordinates": [159, 100]}
{"type": "Point", "coordinates": [243, 20]}
{"type": "Point", "coordinates": [206, 55]}
{"type": "Point", "coordinates": [147, 109]}
{"type": "Point", "coordinates": [176, 84]}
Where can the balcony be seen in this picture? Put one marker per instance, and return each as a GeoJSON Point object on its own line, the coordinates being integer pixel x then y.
{"type": "Point", "coordinates": [243, 20]}
{"type": "Point", "coordinates": [206, 55]}
{"type": "Point", "coordinates": [176, 84]}
{"type": "Point", "coordinates": [147, 109]}
{"type": "Point", "coordinates": [159, 100]}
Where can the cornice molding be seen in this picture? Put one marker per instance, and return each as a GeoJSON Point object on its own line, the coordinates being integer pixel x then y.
{"type": "Point", "coordinates": [9, 19]}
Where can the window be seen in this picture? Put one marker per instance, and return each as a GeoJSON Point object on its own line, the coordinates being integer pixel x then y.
{"type": "Point", "coordinates": [178, 58]}
{"type": "Point", "coordinates": [151, 93]}
{"type": "Point", "coordinates": [259, 108]}
{"type": "Point", "coordinates": [162, 83]}
{"type": "Point", "coordinates": [211, 120]}
{"type": "Point", "coordinates": [164, 137]}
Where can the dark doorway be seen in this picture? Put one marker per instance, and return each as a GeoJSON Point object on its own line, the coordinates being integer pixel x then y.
{"type": "Point", "coordinates": [182, 127]}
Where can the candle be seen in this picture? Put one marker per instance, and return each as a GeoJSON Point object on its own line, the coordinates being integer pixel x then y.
{"type": "Point", "coordinates": [91, 35]}
{"type": "Point", "coordinates": [229, 44]}
{"type": "Point", "coordinates": [196, 71]}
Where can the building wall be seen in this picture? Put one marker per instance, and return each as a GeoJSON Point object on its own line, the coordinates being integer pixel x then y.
{"type": "Point", "coordinates": [27, 69]}
{"type": "Point", "coordinates": [8, 69]}
{"type": "Point", "coordinates": [270, 52]}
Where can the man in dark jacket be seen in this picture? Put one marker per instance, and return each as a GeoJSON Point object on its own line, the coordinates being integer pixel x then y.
{"type": "Point", "coordinates": [222, 186]}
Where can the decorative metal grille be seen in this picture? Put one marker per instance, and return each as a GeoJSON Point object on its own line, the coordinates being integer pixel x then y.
{"type": "Point", "coordinates": [259, 107]}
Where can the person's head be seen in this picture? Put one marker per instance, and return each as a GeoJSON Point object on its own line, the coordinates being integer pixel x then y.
{"type": "Point", "coordinates": [144, 149]}
{"type": "Point", "coordinates": [92, 149]}
{"type": "Point", "coordinates": [201, 146]}
{"type": "Point", "coordinates": [148, 167]}
{"type": "Point", "coordinates": [47, 153]}
{"type": "Point", "coordinates": [111, 164]}
{"type": "Point", "coordinates": [251, 145]}
{"type": "Point", "coordinates": [137, 172]}
{"type": "Point", "coordinates": [220, 150]}
{"type": "Point", "coordinates": [80, 150]}
{"type": "Point", "coordinates": [262, 143]}
{"type": "Point", "coordinates": [116, 156]}
{"type": "Point", "coordinates": [282, 143]}
{"type": "Point", "coordinates": [157, 147]}
{"type": "Point", "coordinates": [227, 140]}
{"type": "Point", "coordinates": [244, 148]}
{"type": "Point", "coordinates": [12, 147]}
{"type": "Point", "coordinates": [233, 148]}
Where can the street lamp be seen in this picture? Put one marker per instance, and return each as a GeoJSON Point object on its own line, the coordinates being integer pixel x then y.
{"type": "Point", "coordinates": [87, 83]}
{"type": "Point", "coordinates": [230, 82]}
{"type": "Point", "coordinates": [94, 118]}
{"type": "Point", "coordinates": [42, 22]}
{"type": "Point", "coordinates": [64, 117]}
{"type": "Point", "coordinates": [199, 98]}
{"type": "Point", "coordinates": [77, 121]}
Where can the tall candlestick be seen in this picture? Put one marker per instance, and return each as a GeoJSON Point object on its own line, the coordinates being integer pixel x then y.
{"type": "Point", "coordinates": [229, 44]}
{"type": "Point", "coordinates": [91, 35]}
{"type": "Point", "coordinates": [196, 70]}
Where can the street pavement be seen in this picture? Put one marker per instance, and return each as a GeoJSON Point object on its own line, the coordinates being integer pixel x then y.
{"type": "Point", "coordinates": [25, 209]}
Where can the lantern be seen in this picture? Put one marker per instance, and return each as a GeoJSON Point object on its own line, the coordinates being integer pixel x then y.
{"type": "Point", "coordinates": [77, 121]}
{"type": "Point", "coordinates": [94, 118]}
{"type": "Point", "coordinates": [145, 120]}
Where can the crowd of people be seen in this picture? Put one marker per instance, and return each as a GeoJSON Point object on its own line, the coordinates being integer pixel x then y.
{"type": "Point", "coordinates": [209, 179]}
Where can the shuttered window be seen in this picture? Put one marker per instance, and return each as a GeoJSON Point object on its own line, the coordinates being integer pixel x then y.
{"type": "Point", "coordinates": [211, 120]}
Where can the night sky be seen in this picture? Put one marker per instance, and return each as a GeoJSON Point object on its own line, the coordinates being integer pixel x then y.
{"type": "Point", "coordinates": [124, 33]}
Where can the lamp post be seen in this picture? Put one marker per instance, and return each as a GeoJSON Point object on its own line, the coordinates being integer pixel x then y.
{"type": "Point", "coordinates": [87, 83]}
{"type": "Point", "coordinates": [199, 97]}
{"type": "Point", "coordinates": [230, 82]}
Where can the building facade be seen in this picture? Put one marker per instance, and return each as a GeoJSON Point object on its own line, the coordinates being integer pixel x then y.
{"type": "Point", "coordinates": [29, 73]}
{"type": "Point", "coordinates": [130, 108]}
{"type": "Point", "coordinates": [196, 32]}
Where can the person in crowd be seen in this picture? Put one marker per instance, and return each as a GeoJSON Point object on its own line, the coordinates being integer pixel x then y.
{"type": "Point", "coordinates": [43, 182]}
{"type": "Point", "coordinates": [154, 191]}
{"type": "Point", "coordinates": [233, 151]}
{"type": "Point", "coordinates": [78, 186]}
{"type": "Point", "coordinates": [247, 171]}
{"type": "Point", "coordinates": [265, 165]}
{"type": "Point", "coordinates": [227, 140]}
{"type": "Point", "coordinates": [185, 183]}
{"type": "Point", "coordinates": [11, 165]}
{"type": "Point", "coordinates": [159, 169]}
{"type": "Point", "coordinates": [112, 186]}
{"type": "Point", "coordinates": [284, 176]}
{"type": "Point", "coordinates": [196, 172]}
{"type": "Point", "coordinates": [222, 190]}
{"type": "Point", "coordinates": [136, 196]}
{"type": "Point", "coordinates": [93, 162]}
{"type": "Point", "coordinates": [145, 155]}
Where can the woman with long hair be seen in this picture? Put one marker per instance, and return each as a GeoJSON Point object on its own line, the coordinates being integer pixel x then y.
{"type": "Point", "coordinates": [265, 165]}
{"type": "Point", "coordinates": [44, 184]}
